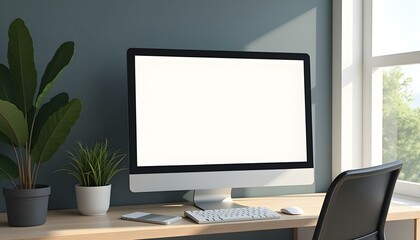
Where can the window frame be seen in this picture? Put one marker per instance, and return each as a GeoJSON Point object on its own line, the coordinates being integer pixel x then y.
{"type": "Point", "coordinates": [357, 141]}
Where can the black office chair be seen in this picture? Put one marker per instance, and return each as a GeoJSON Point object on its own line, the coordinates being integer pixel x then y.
{"type": "Point", "coordinates": [357, 203]}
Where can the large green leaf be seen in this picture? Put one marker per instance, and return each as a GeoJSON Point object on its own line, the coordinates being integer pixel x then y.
{"type": "Point", "coordinates": [5, 84]}
{"type": "Point", "coordinates": [5, 139]}
{"type": "Point", "coordinates": [61, 58]}
{"type": "Point", "coordinates": [47, 110]}
{"type": "Point", "coordinates": [8, 168]}
{"type": "Point", "coordinates": [20, 55]}
{"type": "Point", "coordinates": [55, 130]}
{"type": "Point", "coordinates": [13, 124]}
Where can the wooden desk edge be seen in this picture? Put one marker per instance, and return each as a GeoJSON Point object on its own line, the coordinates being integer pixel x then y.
{"type": "Point", "coordinates": [68, 224]}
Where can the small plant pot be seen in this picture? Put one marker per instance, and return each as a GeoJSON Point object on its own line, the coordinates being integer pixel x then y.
{"type": "Point", "coordinates": [93, 200]}
{"type": "Point", "coordinates": [27, 207]}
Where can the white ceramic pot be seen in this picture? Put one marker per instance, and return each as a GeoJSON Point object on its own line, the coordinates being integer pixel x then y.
{"type": "Point", "coordinates": [93, 200]}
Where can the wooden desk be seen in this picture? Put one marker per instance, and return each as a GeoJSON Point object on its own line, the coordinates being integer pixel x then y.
{"type": "Point", "coordinates": [69, 224]}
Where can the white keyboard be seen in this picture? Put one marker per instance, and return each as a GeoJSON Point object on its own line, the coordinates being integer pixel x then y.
{"type": "Point", "coordinates": [231, 214]}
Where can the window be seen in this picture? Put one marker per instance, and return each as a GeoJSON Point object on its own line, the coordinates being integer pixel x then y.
{"type": "Point", "coordinates": [395, 26]}
{"type": "Point", "coordinates": [401, 117]}
{"type": "Point", "coordinates": [393, 61]}
{"type": "Point", "coordinates": [379, 89]}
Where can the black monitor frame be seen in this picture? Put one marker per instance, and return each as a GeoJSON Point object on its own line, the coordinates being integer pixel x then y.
{"type": "Point", "coordinates": [134, 169]}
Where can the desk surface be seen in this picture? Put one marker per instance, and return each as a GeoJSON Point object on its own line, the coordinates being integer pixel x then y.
{"type": "Point", "coordinates": [69, 224]}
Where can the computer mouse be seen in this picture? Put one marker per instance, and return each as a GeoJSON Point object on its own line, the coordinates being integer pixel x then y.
{"type": "Point", "coordinates": [292, 210]}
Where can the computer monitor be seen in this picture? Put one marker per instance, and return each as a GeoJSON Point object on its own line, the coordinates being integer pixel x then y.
{"type": "Point", "coordinates": [210, 121]}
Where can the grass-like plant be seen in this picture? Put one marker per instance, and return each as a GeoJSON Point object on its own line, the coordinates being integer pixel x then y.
{"type": "Point", "coordinates": [96, 165]}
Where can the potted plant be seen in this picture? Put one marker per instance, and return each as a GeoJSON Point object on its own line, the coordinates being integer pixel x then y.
{"type": "Point", "coordinates": [94, 168]}
{"type": "Point", "coordinates": [34, 129]}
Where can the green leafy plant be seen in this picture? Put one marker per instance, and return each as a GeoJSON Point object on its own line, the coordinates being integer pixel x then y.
{"type": "Point", "coordinates": [94, 166]}
{"type": "Point", "coordinates": [33, 129]}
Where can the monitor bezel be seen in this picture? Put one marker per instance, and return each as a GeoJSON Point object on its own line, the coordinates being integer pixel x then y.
{"type": "Point", "coordinates": [132, 132]}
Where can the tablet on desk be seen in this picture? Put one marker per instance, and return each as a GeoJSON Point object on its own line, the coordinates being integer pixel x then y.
{"type": "Point", "coordinates": [151, 218]}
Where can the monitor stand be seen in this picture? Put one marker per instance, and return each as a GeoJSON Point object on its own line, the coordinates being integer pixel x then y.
{"type": "Point", "coordinates": [207, 199]}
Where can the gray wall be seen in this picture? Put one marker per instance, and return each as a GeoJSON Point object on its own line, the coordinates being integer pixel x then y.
{"type": "Point", "coordinates": [104, 29]}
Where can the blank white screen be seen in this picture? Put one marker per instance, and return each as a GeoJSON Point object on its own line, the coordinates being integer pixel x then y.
{"type": "Point", "coordinates": [196, 111]}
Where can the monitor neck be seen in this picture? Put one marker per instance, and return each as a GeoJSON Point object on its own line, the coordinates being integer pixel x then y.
{"type": "Point", "coordinates": [207, 199]}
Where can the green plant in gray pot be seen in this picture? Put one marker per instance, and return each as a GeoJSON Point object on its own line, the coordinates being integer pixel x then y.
{"type": "Point", "coordinates": [34, 129]}
{"type": "Point", "coordinates": [94, 167]}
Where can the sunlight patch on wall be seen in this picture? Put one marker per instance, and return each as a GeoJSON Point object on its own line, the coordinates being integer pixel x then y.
{"type": "Point", "coordinates": [296, 35]}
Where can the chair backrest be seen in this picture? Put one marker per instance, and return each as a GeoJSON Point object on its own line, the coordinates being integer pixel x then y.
{"type": "Point", "coordinates": [356, 204]}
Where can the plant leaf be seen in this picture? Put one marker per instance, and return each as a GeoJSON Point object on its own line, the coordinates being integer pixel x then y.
{"type": "Point", "coordinates": [5, 84]}
{"type": "Point", "coordinates": [47, 110]}
{"type": "Point", "coordinates": [8, 168]}
{"type": "Point", "coordinates": [13, 124]}
{"type": "Point", "coordinates": [5, 139]}
{"type": "Point", "coordinates": [21, 63]}
{"type": "Point", "coordinates": [61, 59]}
{"type": "Point", "coordinates": [55, 130]}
